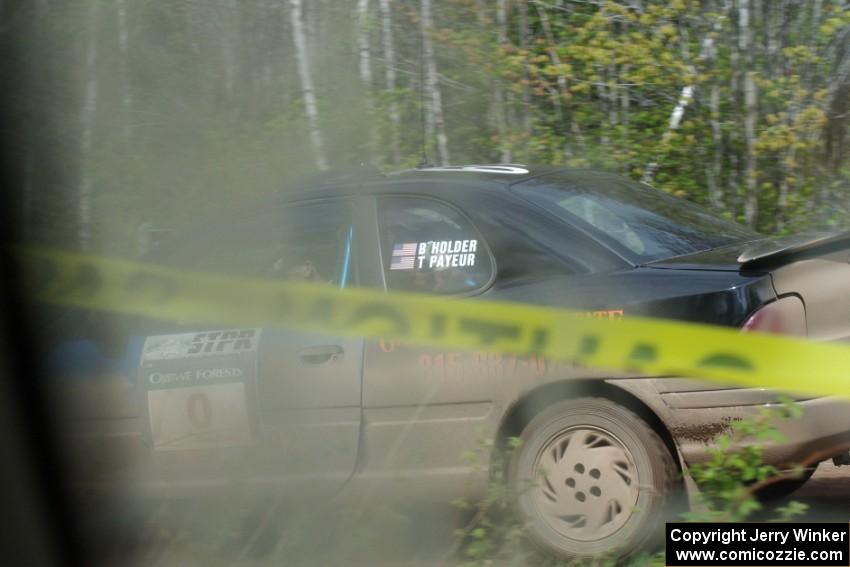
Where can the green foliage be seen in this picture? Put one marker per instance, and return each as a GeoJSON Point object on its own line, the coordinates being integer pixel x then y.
{"type": "Point", "coordinates": [736, 464]}
{"type": "Point", "coordinates": [492, 533]}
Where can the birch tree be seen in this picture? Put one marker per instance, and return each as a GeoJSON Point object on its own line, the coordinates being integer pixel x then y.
{"type": "Point", "coordinates": [365, 69]}
{"type": "Point", "coordinates": [390, 78]}
{"type": "Point", "coordinates": [84, 197]}
{"type": "Point", "coordinates": [124, 48]}
{"type": "Point", "coordinates": [311, 109]}
{"type": "Point", "coordinates": [434, 107]}
{"type": "Point", "coordinates": [499, 102]}
{"type": "Point", "coordinates": [749, 88]}
{"type": "Point", "coordinates": [363, 42]}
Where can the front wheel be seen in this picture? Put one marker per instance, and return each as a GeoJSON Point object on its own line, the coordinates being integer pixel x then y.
{"type": "Point", "coordinates": [591, 477]}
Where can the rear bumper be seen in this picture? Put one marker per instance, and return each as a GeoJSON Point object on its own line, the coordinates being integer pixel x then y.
{"type": "Point", "coordinates": [823, 430]}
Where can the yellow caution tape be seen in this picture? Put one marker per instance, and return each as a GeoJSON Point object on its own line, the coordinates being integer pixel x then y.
{"type": "Point", "coordinates": [645, 345]}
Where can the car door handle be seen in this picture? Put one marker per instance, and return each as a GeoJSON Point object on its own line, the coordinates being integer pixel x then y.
{"type": "Point", "coordinates": [320, 354]}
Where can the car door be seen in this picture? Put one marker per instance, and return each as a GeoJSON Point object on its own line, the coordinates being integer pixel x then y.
{"type": "Point", "coordinates": [303, 406]}
{"type": "Point", "coordinates": [425, 407]}
{"type": "Point", "coordinates": [309, 383]}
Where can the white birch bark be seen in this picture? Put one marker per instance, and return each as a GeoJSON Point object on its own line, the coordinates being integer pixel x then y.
{"type": "Point", "coordinates": [363, 42]}
{"type": "Point", "coordinates": [365, 68]}
{"type": "Point", "coordinates": [715, 187]}
{"type": "Point", "coordinates": [227, 37]}
{"type": "Point", "coordinates": [749, 91]}
{"type": "Point", "coordinates": [499, 101]}
{"type": "Point", "coordinates": [685, 98]}
{"type": "Point", "coordinates": [522, 6]}
{"type": "Point", "coordinates": [310, 107]}
{"type": "Point", "coordinates": [84, 194]}
{"type": "Point", "coordinates": [432, 86]}
{"type": "Point", "coordinates": [552, 50]}
{"type": "Point", "coordinates": [390, 78]}
{"type": "Point", "coordinates": [124, 48]}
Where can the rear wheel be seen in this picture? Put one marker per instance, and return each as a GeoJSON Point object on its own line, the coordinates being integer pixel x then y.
{"type": "Point", "coordinates": [591, 477]}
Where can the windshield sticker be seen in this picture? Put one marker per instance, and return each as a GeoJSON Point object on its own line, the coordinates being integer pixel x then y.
{"type": "Point", "coordinates": [434, 255]}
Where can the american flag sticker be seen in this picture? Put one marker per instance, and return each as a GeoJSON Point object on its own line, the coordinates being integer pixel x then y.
{"type": "Point", "coordinates": [404, 255]}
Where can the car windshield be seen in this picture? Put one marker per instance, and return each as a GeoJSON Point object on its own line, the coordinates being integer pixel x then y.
{"type": "Point", "coordinates": [644, 223]}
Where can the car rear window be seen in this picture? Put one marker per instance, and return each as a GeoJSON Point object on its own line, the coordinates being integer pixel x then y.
{"type": "Point", "coordinates": [644, 223]}
{"type": "Point", "coordinates": [430, 247]}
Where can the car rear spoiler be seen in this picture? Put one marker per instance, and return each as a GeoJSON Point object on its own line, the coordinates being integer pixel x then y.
{"type": "Point", "coordinates": [777, 252]}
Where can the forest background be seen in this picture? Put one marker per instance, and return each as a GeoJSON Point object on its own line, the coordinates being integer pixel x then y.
{"type": "Point", "coordinates": [164, 111]}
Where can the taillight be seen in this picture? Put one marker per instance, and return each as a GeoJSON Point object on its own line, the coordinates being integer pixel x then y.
{"type": "Point", "coordinates": [785, 316]}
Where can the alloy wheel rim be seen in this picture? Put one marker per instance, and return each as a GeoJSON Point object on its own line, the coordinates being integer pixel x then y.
{"type": "Point", "coordinates": [586, 483]}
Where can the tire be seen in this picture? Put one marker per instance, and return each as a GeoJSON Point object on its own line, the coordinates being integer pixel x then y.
{"type": "Point", "coordinates": [617, 461]}
{"type": "Point", "coordinates": [783, 488]}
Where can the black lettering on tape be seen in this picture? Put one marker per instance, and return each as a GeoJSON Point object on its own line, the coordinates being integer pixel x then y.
{"type": "Point", "coordinates": [161, 287]}
{"type": "Point", "coordinates": [643, 353]}
{"type": "Point", "coordinates": [322, 311]}
{"type": "Point", "coordinates": [539, 340]}
{"type": "Point", "coordinates": [282, 306]}
{"type": "Point", "coordinates": [438, 325]}
{"type": "Point", "coordinates": [370, 311]}
{"type": "Point", "coordinates": [87, 281]}
{"type": "Point", "coordinates": [45, 273]}
{"type": "Point", "coordinates": [726, 360]}
{"type": "Point", "coordinates": [588, 345]}
{"type": "Point", "coordinates": [490, 332]}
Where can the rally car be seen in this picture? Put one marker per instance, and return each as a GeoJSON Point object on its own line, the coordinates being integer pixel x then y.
{"type": "Point", "coordinates": [600, 455]}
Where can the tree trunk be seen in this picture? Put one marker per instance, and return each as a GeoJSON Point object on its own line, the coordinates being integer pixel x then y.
{"type": "Point", "coordinates": [750, 95]}
{"type": "Point", "coordinates": [432, 86]}
{"type": "Point", "coordinates": [124, 47]}
{"type": "Point", "coordinates": [303, 61]}
{"type": "Point", "coordinates": [84, 197]}
{"type": "Point", "coordinates": [390, 77]}
{"type": "Point", "coordinates": [552, 50]}
{"type": "Point", "coordinates": [227, 39]}
{"type": "Point", "coordinates": [685, 98]}
{"type": "Point", "coordinates": [714, 179]}
{"type": "Point", "coordinates": [837, 105]}
{"type": "Point", "coordinates": [499, 102]}
{"type": "Point", "coordinates": [522, 6]}
{"type": "Point", "coordinates": [365, 55]}
{"type": "Point", "coordinates": [363, 42]}
{"type": "Point", "coordinates": [715, 168]}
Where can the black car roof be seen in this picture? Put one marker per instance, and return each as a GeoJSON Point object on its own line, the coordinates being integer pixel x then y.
{"type": "Point", "coordinates": [370, 180]}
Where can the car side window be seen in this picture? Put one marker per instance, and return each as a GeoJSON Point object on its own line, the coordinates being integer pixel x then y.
{"type": "Point", "coordinates": [428, 246]}
{"type": "Point", "coordinates": [310, 242]}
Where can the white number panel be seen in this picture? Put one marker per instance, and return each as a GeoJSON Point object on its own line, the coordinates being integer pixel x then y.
{"type": "Point", "coordinates": [201, 388]}
{"type": "Point", "coordinates": [201, 417]}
